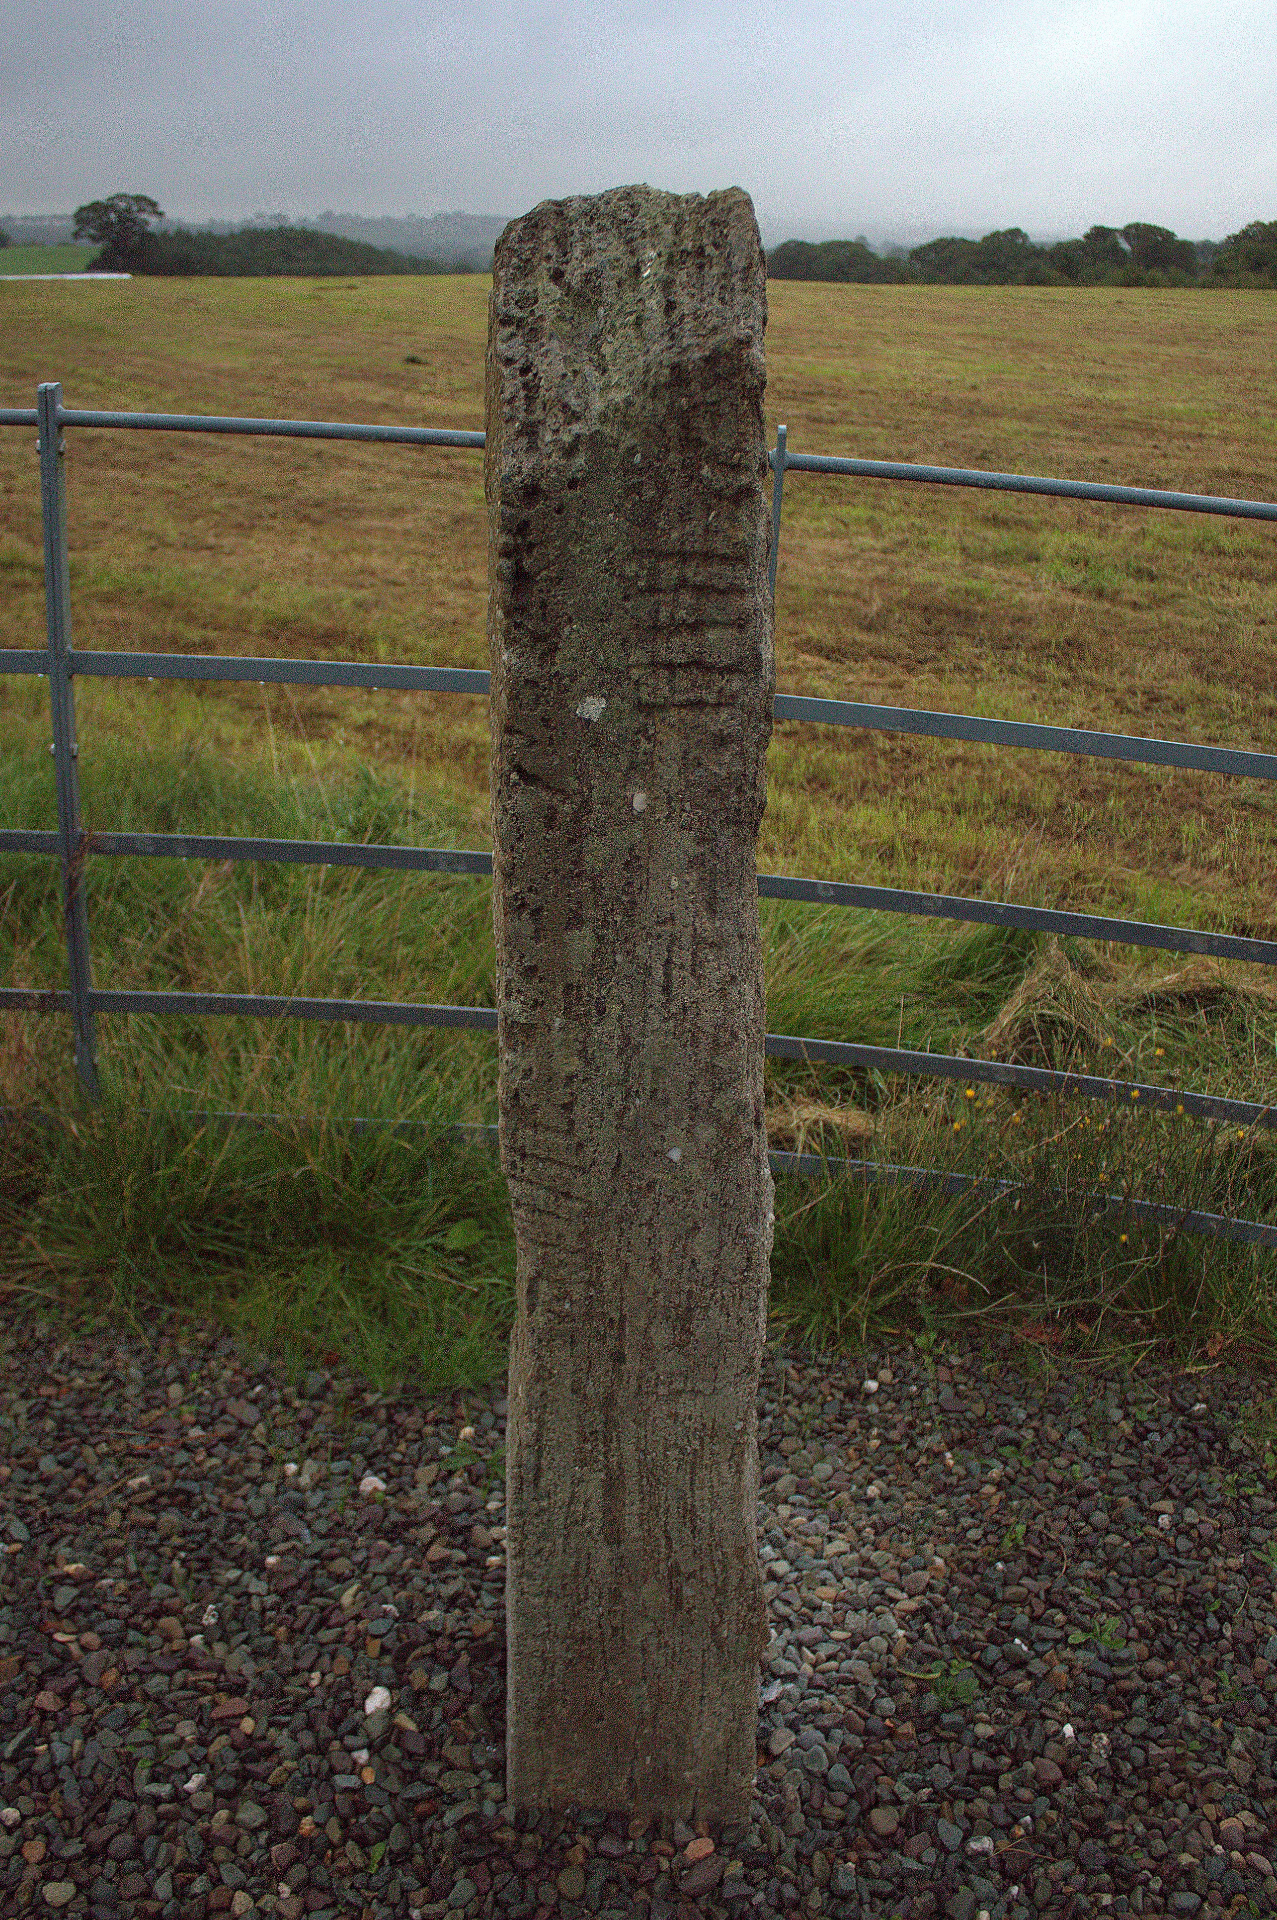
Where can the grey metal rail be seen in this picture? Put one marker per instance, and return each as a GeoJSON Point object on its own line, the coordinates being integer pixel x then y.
{"type": "Point", "coordinates": [976, 728]}
{"type": "Point", "coordinates": [778, 1046]}
{"type": "Point", "coordinates": [802, 1165]}
{"type": "Point", "coordinates": [230, 423]}
{"type": "Point", "coordinates": [1102, 490]}
{"type": "Point", "coordinates": [771, 886]}
{"type": "Point", "coordinates": [1223, 1226]}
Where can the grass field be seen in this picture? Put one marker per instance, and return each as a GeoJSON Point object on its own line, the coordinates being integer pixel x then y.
{"type": "Point", "coordinates": [1044, 610]}
{"type": "Point", "coordinates": [67, 259]}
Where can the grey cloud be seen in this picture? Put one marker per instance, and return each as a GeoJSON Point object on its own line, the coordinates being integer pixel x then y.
{"type": "Point", "coordinates": [870, 116]}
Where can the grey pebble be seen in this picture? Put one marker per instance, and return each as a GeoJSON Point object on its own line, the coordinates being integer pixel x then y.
{"type": "Point", "coordinates": [902, 1668]}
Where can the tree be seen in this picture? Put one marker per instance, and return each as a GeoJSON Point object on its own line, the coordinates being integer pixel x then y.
{"type": "Point", "coordinates": [1101, 255]}
{"type": "Point", "coordinates": [1003, 259]}
{"type": "Point", "coordinates": [121, 226]}
{"type": "Point", "coordinates": [1158, 250]}
{"type": "Point", "coordinates": [1248, 258]}
{"type": "Point", "coordinates": [4, 238]}
{"type": "Point", "coordinates": [847, 261]}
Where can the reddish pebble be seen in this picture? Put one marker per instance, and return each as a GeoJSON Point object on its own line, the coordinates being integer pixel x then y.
{"type": "Point", "coordinates": [698, 1849]}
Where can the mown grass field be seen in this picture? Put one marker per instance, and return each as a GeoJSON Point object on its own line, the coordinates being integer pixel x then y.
{"type": "Point", "coordinates": [1044, 610]}
{"type": "Point", "coordinates": [65, 259]}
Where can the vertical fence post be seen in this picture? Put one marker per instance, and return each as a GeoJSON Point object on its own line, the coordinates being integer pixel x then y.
{"type": "Point", "coordinates": [778, 487]}
{"type": "Point", "coordinates": [57, 600]}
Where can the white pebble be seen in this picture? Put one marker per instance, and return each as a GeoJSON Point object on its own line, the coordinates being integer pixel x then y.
{"type": "Point", "coordinates": [290, 1468]}
{"type": "Point", "coordinates": [1067, 1732]}
{"type": "Point", "coordinates": [870, 1386]}
{"type": "Point", "coordinates": [466, 1433]}
{"type": "Point", "coordinates": [272, 1559]}
{"type": "Point", "coordinates": [591, 707]}
{"type": "Point", "coordinates": [1164, 1522]}
{"type": "Point", "coordinates": [378, 1700]}
{"type": "Point", "coordinates": [195, 1782]}
{"type": "Point", "coordinates": [639, 802]}
{"type": "Point", "coordinates": [370, 1484]}
{"type": "Point", "coordinates": [9, 1816]}
{"type": "Point", "coordinates": [675, 1154]}
{"type": "Point", "coordinates": [360, 1756]}
{"type": "Point", "coordinates": [209, 1617]}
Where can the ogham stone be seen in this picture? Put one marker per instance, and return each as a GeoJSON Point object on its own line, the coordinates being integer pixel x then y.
{"type": "Point", "coordinates": [630, 628]}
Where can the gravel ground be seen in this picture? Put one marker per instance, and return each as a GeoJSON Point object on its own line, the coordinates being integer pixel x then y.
{"type": "Point", "coordinates": [251, 1650]}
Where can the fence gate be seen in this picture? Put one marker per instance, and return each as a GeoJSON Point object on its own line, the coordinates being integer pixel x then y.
{"type": "Point", "coordinates": [60, 662]}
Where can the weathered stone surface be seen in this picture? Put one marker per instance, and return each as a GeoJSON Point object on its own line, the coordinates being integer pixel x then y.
{"type": "Point", "coordinates": [631, 644]}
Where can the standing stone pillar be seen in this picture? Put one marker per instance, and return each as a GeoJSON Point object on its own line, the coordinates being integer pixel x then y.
{"type": "Point", "coordinates": [630, 627]}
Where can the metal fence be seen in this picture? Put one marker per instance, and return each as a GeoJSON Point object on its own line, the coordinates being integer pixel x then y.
{"type": "Point", "coordinates": [74, 846]}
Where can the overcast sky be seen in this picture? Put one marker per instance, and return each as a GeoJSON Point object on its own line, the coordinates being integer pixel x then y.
{"type": "Point", "coordinates": [889, 117]}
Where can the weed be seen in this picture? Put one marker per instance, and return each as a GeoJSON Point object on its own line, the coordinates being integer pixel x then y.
{"type": "Point", "coordinates": [955, 1686]}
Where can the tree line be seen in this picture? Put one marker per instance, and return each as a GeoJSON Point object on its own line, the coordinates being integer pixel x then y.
{"type": "Point", "coordinates": [124, 228]}
{"type": "Point", "coordinates": [1137, 255]}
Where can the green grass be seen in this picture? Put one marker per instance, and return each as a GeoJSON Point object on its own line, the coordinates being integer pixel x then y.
{"type": "Point", "coordinates": [1035, 610]}
{"type": "Point", "coordinates": [394, 1249]}
{"type": "Point", "coordinates": [65, 259]}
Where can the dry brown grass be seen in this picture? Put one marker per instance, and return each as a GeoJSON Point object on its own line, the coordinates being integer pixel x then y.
{"type": "Point", "coordinates": [1045, 610]}
{"type": "Point", "coordinates": [804, 1123]}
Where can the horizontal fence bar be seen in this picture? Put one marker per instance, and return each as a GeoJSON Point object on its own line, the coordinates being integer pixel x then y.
{"type": "Point", "coordinates": [771, 886]}
{"type": "Point", "coordinates": [391, 1013]}
{"type": "Point", "coordinates": [308, 853]}
{"type": "Point", "coordinates": [799, 707]}
{"type": "Point", "coordinates": [997, 913]}
{"type": "Point", "coordinates": [870, 1173]}
{"type": "Point", "coordinates": [998, 1073]}
{"type": "Point", "coordinates": [1117, 496]}
{"type": "Point", "coordinates": [778, 1046]}
{"type": "Point", "coordinates": [301, 853]}
{"type": "Point", "coordinates": [270, 429]}
{"type": "Point", "coordinates": [297, 673]}
{"type": "Point", "coordinates": [1107, 492]}
{"type": "Point", "coordinates": [1113, 495]}
{"type": "Point", "coordinates": [1020, 733]}
{"type": "Point", "coordinates": [793, 1165]}
{"type": "Point", "coordinates": [27, 840]}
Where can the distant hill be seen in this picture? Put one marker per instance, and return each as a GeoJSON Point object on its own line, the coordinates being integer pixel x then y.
{"type": "Point", "coordinates": [460, 239]}
{"type": "Point", "coordinates": [38, 229]}
{"type": "Point", "coordinates": [260, 252]}
{"type": "Point", "coordinates": [455, 240]}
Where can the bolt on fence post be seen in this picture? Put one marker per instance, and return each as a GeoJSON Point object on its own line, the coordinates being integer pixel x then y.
{"type": "Point", "coordinates": [778, 487]}
{"type": "Point", "coordinates": [57, 600]}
